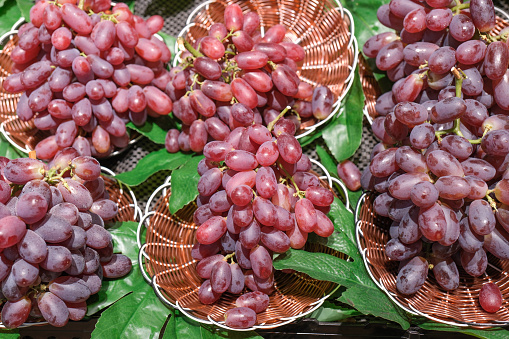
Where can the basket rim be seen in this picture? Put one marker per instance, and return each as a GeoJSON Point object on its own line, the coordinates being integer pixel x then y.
{"type": "Point", "coordinates": [188, 312]}
{"type": "Point", "coordinates": [408, 308]}
{"type": "Point", "coordinates": [351, 46]}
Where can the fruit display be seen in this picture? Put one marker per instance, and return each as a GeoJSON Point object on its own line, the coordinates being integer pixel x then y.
{"type": "Point", "coordinates": [84, 72]}
{"type": "Point", "coordinates": [55, 250]}
{"type": "Point", "coordinates": [271, 203]}
{"type": "Point", "coordinates": [441, 168]}
{"type": "Point", "coordinates": [235, 77]}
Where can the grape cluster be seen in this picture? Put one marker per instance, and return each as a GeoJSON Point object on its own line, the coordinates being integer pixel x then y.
{"type": "Point", "coordinates": [234, 78]}
{"type": "Point", "coordinates": [54, 249]}
{"type": "Point", "coordinates": [86, 72]}
{"type": "Point", "coordinates": [442, 165]}
{"type": "Point", "coordinates": [257, 197]}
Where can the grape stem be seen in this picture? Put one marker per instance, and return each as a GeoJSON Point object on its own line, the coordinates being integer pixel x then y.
{"type": "Point", "coordinates": [227, 36]}
{"type": "Point", "coordinates": [298, 193]}
{"type": "Point", "coordinates": [270, 126]}
{"type": "Point", "coordinates": [81, 4]}
{"type": "Point", "coordinates": [459, 6]}
{"type": "Point", "coordinates": [229, 256]}
{"type": "Point", "coordinates": [491, 201]}
{"type": "Point", "coordinates": [181, 41]}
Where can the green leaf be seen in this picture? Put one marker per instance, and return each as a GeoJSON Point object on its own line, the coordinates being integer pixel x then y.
{"type": "Point", "coordinates": [180, 327]}
{"type": "Point", "coordinates": [350, 274]}
{"type": "Point", "coordinates": [9, 334]}
{"type": "Point", "coordinates": [330, 312]}
{"type": "Point", "coordinates": [364, 17]}
{"type": "Point", "coordinates": [9, 14]}
{"type": "Point", "coordinates": [354, 197]}
{"type": "Point", "coordinates": [342, 218]}
{"type": "Point", "coordinates": [492, 333]}
{"type": "Point", "coordinates": [327, 161]}
{"type": "Point", "coordinates": [9, 151]}
{"type": "Point", "coordinates": [124, 241]}
{"type": "Point", "coordinates": [154, 129]}
{"type": "Point", "coordinates": [137, 315]}
{"type": "Point", "coordinates": [153, 163]}
{"type": "Point", "coordinates": [2, 2]}
{"type": "Point", "coordinates": [343, 135]}
{"type": "Point", "coordinates": [170, 42]}
{"type": "Point", "coordinates": [131, 4]}
{"type": "Point", "coordinates": [184, 181]}
{"type": "Point", "coordinates": [308, 139]}
{"type": "Point", "coordinates": [24, 7]}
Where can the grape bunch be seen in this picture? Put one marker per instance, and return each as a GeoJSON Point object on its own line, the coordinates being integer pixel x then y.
{"type": "Point", "coordinates": [257, 197]}
{"type": "Point", "coordinates": [235, 78]}
{"type": "Point", "coordinates": [441, 168]}
{"type": "Point", "coordinates": [54, 248]}
{"type": "Point", "coordinates": [87, 71]}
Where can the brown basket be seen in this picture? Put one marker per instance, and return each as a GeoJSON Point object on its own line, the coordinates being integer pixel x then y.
{"type": "Point", "coordinates": [166, 263]}
{"type": "Point", "coordinates": [370, 87]}
{"type": "Point", "coordinates": [23, 134]}
{"type": "Point", "coordinates": [459, 307]}
{"type": "Point", "coordinates": [321, 28]}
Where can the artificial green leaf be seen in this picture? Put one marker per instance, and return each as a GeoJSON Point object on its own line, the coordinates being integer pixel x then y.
{"type": "Point", "coordinates": [327, 161]}
{"type": "Point", "coordinates": [350, 274]}
{"type": "Point", "coordinates": [184, 181]}
{"type": "Point", "coordinates": [364, 17]}
{"type": "Point", "coordinates": [154, 129]}
{"type": "Point", "coordinates": [342, 218]}
{"type": "Point", "coordinates": [124, 241]}
{"type": "Point", "coordinates": [170, 42]}
{"type": "Point", "coordinates": [131, 4]}
{"type": "Point", "coordinates": [9, 334]}
{"type": "Point", "coordinates": [9, 151]}
{"type": "Point", "coordinates": [343, 134]}
{"type": "Point", "coordinates": [9, 14]}
{"type": "Point", "coordinates": [491, 333]}
{"type": "Point", "coordinates": [354, 197]}
{"type": "Point", "coordinates": [137, 315]}
{"type": "Point", "coordinates": [330, 312]}
{"type": "Point", "coordinates": [339, 240]}
{"type": "Point", "coordinates": [153, 163]}
{"type": "Point", "coordinates": [181, 327]}
{"type": "Point", "coordinates": [24, 7]}
{"type": "Point", "coordinates": [308, 139]}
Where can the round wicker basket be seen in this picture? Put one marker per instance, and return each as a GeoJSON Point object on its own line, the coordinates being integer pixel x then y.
{"type": "Point", "coordinates": [128, 210]}
{"type": "Point", "coordinates": [326, 33]}
{"type": "Point", "coordinates": [165, 243]}
{"type": "Point", "coordinates": [23, 135]}
{"type": "Point", "coordinates": [458, 308]}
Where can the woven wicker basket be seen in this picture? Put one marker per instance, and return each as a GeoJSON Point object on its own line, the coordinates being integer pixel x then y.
{"type": "Point", "coordinates": [165, 243]}
{"type": "Point", "coordinates": [23, 135]}
{"type": "Point", "coordinates": [326, 33]}
{"type": "Point", "coordinates": [459, 307]}
{"type": "Point", "coordinates": [128, 210]}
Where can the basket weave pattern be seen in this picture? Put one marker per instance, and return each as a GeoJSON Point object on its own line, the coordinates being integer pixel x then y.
{"type": "Point", "coordinates": [458, 307]}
